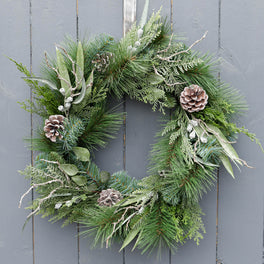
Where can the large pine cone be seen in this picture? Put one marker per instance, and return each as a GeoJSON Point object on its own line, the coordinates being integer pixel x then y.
{"type": "Point", "coordinates": [109, 197]}
{"type": "Point", "coordinates": [193, 98]}
{"type": "Point", "coordinates": [102, 61]}
{"type": "Point", "coordinates": [52, 125]}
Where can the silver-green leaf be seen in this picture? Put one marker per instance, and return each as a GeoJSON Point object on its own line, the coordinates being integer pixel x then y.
{"type": "Point", "coordinates": [82, 154]}
{"type": "Point", "coordinates": [79, 180]}
{"type": "Point", "coordinates": [131, 235]}
{"type": "Point", "coordinates": [63, 73]}
{"type": "Point", "coordinates": [49, 83]}
{"type": "Point", "coordinates": [79, 63]}
{"type": "Point", "coordinates": [104, 176]}
{"type": "Point", "coordinates": [84, 88]}
{"type": "Point", "coordinates": [69, 169]}
{"type": "Point", "coordinates": [144, 16]}
{"type": "Point", "coordinates": [227, 164]}
{"type": "Point", "coordinates": [227, 147]}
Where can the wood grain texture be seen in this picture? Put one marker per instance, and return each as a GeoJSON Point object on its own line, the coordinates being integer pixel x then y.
{"type": "Point", "coordinates": [15, 245]}
{"type": "Point", "coordinates": [51, 21]}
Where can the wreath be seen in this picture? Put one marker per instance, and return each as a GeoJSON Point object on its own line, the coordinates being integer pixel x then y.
{"type": "Point", "coordinates": [152, 66]}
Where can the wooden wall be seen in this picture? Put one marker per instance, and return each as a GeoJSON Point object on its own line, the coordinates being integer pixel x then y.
{"type": "Point", "coordinates": [233, 209]}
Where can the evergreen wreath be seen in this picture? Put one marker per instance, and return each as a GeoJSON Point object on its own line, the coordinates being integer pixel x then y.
{"type": "Point", "coordinates": [152, 66]}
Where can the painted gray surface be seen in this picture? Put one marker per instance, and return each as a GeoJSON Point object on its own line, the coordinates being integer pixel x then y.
{"type": "Point", "coordinates": [14, 42]}
{"type": "Point", "coordinates": [237, 37]}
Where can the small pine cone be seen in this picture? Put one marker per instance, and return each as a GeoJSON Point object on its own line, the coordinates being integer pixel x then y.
{"type": "Point", "coordinates": [102, 61]}
{"type": "Point", "coordinates": [109, 197]}
{"type": "Point", "coordinates": [193, 98]}
{"type": "Point", "coordinates": [52, 125]}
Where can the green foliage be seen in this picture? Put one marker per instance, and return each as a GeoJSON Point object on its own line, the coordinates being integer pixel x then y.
{"type": "Point", "coordinates": [122, 182]}
{"type": "Point", "coordinates": [74, 128]}
{"type": "Point", "coordinates": [45, 100]}
{"type": "Point", "coordinates": [100, 127]}
{"type": "Point", "coordinates": [150, 66]}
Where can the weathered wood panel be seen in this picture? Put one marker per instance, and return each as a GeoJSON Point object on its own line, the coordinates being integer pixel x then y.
{"type": "Point", "coordinates": [15, 245]}
{"type": "Point", "coordinates": [51, 21]}
{"type": "Point", "coordinates": [241, 200]}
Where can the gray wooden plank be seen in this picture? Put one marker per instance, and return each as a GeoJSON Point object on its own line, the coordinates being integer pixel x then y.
{"type": "Point", "coordinates": [15, 245]}
{"type": "Point", "coordinates": [97, 17]}
{"type": "Point", "coordinates": [141, 126]}
{"type": "Point", "coordinates": [191, 19]}
{"type": "Point", "coordinates": [100, 16]}
{"type": "Point", "coordinates": [51, 21]}
{"type": "Point", "coordinates": [241, 200]}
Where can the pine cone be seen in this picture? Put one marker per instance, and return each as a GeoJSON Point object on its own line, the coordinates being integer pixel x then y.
{"type": "Point", "coordinates": [193, 98]}
{"type": "Point", "coordinates": [109, 197]}
{"type": "Point", "coordinates": [102, 61]}
{"type": "Point", "coordinates": [52, 125]}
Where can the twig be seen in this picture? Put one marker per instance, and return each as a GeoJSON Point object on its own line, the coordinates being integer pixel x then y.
{"type": "Point", "coordinates": [165, 50]}
{"type": "Point", "coordinates": [57, 163]}
{"type": "Point", "coordinates": [245, 164]}
{"type": "Point", "coordinates": [57, 72]}
{"type": "Point", "coordinates": [183, 51]}
{"type": "Point", "coordinates": [77, 81]}
{"type": "Point", "coordinates": [121, 219]}
{"type": "Point", "coordinates": [42, 200]}
{"type": "Point", "coordinates": [34, 186]}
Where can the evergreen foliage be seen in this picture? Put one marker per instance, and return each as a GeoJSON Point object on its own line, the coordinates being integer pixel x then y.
{"type": "Point", "coordinates": [151, 66]}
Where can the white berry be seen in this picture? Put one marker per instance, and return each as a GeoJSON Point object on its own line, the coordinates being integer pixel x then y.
{"type": "Point", "coordinates": [140, 33]}
{"type": "Point", "coordinates": [67, 106]}
{"type": "Point", "coordinates": [69, 99]}
{"type": "Point", "coordinates": [203, 139]}
{"type": "Point", "coordinates": [68, 203]}
{"type": "Point", "coordinates": [189, 128]}
{"type": "Point", "coordinates": [194, 123]}
{"type": "Point", "coordinates": [137, 43]}
{"type": "Point", "coordinates": [61, 108]}
{"type": "Point", "coordinates": [62, 91]}
{"type": "Point", "coordinates": [192, 135]}
{"type": "Point", "coordinates": [58, 205]}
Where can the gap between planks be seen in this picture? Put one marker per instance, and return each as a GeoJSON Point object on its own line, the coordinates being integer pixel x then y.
{"type": "Point", "coordinates": [31, 125]}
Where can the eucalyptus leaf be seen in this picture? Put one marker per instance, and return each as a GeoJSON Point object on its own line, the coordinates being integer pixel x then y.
{"type": "Point", "coordinates": [89, 81]}
{"type": "Point", "coordinates": [104, 176]}
{"type": "Point", "coordinates": [91, 187]}
{"type": "Point", "coordinates": [227, 164]}
{"type": "Point", "coordinates": [84, 88]}
{"type": "Point", "coordinates": [79, 63]}
{"type": "Point", "coordinates": [229, 150]}
{"type": "Point", "coordinates": [79, 180]}
{"type": "Point", "coordinates": [70, 169]}
{"type": "Point", "coordinates": [155, 79]}
{"type": "Point", "coordinates": [205, 162]}
{"type": "Point", "coordinates": [64, 73]}
{"type": "Point", "coordinates": [49, 83]}
{"type": "Point", "coordinates": [82, 154]}
{"type": "Point", "coordinates": [144, 16]}
{"type": "Point", "coordinates": [131, 235]}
